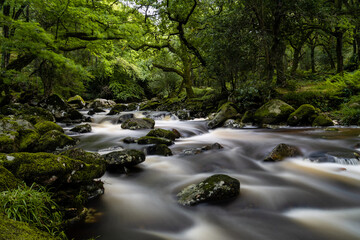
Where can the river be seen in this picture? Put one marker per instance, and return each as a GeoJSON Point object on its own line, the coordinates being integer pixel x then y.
{"type": "Point", "coordinates": [295, 199]}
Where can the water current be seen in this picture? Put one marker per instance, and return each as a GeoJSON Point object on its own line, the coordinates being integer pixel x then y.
{"type": "Point", "coordinates": [295, 199]}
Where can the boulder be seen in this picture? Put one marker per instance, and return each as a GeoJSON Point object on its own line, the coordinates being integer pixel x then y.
{"type": "Point", "coordinates": [84, 128]}
{"type": "Point", "coordinates": [162, 133]}
{"type": "Point", "coordinates": [138, 123]}
{"type": "Point", "coordinates": [54, 139]}
{"type": "Point", "coordinates": [303, 116]}
{"type": "Point", "coordinates": [123, 117]}
{"type": "Point", "coordinates": [183, 114]}
{"type": "Point", "coordinates": [7, 179]}
{"type": "Point", "coordinates": [216, 188]}
{"type": "Point", "coordinates": [176, 132]}
{"type": "Point", "coordinates": [118, 108]}
{"type": "Point", "coordinates": [28, 140]}
{"type": "Point", "coordinates": [322, 121]}
{"type": "Point", "coordinates": [102, 103]}
{"type": "Point", "coordinates": [159, 149]}
{"type": "Point", "coordinates": [29, 113]}
{"type": "Point", "coordinates": [225, 112]}
{"type": "Point", "coordinates": [248, 117]}
{"type": "Point", "coordinates": [231, 123]}
{"type": "Point", "coordinates": [273, 112]}
{"type": "Point", "coordinates": [282, 151]}
{"type": "Point", "coordinates": [45, 126]}
{"type": "Point", "coordinates": [120, 160]}
{"type": "Point", "coordinates": [154, 140]}
{"type": "Point", "coordinates": [77, 101]}
{"type": "Point", "coordinates": [195, 151]}
{"type": "Point", "coordinates": [130, 140]}
{"type": "Point", "coordinates": [347, 157]}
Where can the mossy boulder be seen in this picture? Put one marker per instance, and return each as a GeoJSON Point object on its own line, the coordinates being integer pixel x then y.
{"type": "Point", "coordinates": [77, 101]}
{"type": "Point", "coordinates": [28, 140]}
{"type": "Point", "coordinates": [27, 112]}
{"type": "Point", "coordinates": [162, 133]}
{"type": "Point", "coordinates": [9, 142]}
{"type": "Point", "coordinates": [45, 126]}
{"type": "Point", "coordinates": [273, 112]}
{"type": "Point", "coordinates": [159, 149]}
{"type": "Point", "coordinates": [119, 160]}
{"type": "Point", "coordinates": [282, 151]}
{"type": "Point", "coordinates": [150, 105]}
{"type": "Point", "coordinates": [225, 112]}
{"type": "Point", "coordinates": [49, 169]}
{"type": "Point", "coordinates": [303, 116]}
{"type": "Point", "coordinates": [232, 123]}
{"type": "Point", "coordinates": [54, 139]}
{"type": "Point", "coordinates": [216, 188]}
{"type": "Point", "coordinates": [16, 230]}
{"type": "Point", "coordinates": [7, 179]}
{"type": "Point", "coordinates": [102, 103]}
{"type": "Point", "coordinates": [154, 140]}
{"type": "Point", "coordinates": [138, 123]}
{"type": "Point", "coordinates": [248, 117]}
{"type": "Point", "coordinates": [322, 121]}
{"type": "Point", "coordinates": [118, 108]}
{"type": "Point", "coordinates": [83, 128]}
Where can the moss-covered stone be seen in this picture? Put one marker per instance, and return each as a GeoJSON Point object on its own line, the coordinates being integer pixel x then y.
{"type": "Point", "coordinates": [29, 113]}
{"type": "Point", "coordinates": [159, 149]}
{"type": "Point", "coordinates": [84, 128]}
{"type": "Point", "coordinates": [162, 133]}
{"type": "Point", "coordinates": [118, 108]}
{"type": "Point", "coordinates": [322, 121]}
{"type": "Point", "coordinates": [45, 126]}
{"type": "Point", "coordinates": [154, 140]}
{"type": "Point", "coordinates": [282, 151]}
{"type": "Point", "coordinates": [248, 117]}
{"type": "Point", "coordinates": [8, 142]}
{"type": "Point", "coordinates": [303, 116]}
{"type": "Point", "coordinates": [15, 230]}
{"type": "Point", "coordinates": [7, 179]}
{"type": "Point", "coordinates": [28, 140]}
{"type": "Point", "coordinates": [273, 112]}
{"type": "Point", "coordinates": [138, 123]}
{"type": "Point", "coordinates": [102, 103]}
{"type": "Point", "coordinates": [225, 112]}
{"type": "Point", "coordinates": [77, 101]}
{"type": "Point", "coordinates": [150, 105]}
{"type": "Point", "coordinates": [60, 108]}
{"type": "Point", "coordinates": [216, 188]}
{"type": "Point", "coordinates": [54, 139]}
{"type": "Point", "coordinates": [119, 160]}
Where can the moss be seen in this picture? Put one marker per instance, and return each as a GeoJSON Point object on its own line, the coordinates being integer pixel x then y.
{"type": "Point", "coordinates": [303, 116]}
{"type": "Point", "coordinates": [282, 151]}
{"type": "Point", "coordinates": [15, 230]}
{"type": "Point", "coordinates": [226, 111]}
{"type": "Point", "coordinates": [77, 100]}
{"type": "Point", "coordinates": [45, 126]}
{"type": "Point", "coordinates": [7, 180]}
{"type": "Point", "coordinates": [248, 117]}
{"type": "Point", "coordinates": [162, 133]}
{"type": "Point", "coordinates": [54, 139]}
{"type": "Point", "coordinates": [118, 108]}
{"type": "Point", "coordinates": [84, 128]}
{"type": "Point", "coordinates": [159, 149]}
{"type": "Point", "coordinates": [29, 113]}
{"type": "Point", "coordinates": [28, 140]}
{"type": "Point", "coordinates": [273, 112]}
{"type": "Point", "coordinates": [322, 121]}
{"type": "Point", "coordinates": [154, 140]}
{"type": "Point", "coordinates": [138, 123]}
{"type": "Point", "coordinates": [117, 161]}
{"type": "Point", "coordinates": [150, 105]}
{"type": "Point", "coordinates": [8, 142]}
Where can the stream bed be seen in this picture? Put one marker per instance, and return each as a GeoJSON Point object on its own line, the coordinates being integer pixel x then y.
{"type": "Point", "coordinates": [295, 199]}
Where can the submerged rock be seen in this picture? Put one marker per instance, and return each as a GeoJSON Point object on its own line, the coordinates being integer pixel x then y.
{"type": "Point", "coordinates": [84, 128]}
{"type": "Point", "coordinates": [282, 151]}
{"type": "Point", "coordinates": [138, 123]}
{"type": "Point", "coordinates": [119, 160]}
{"type": "Point", "coordinates": [303, 116]}
{"type": "Point", "coordinates": [225, 112]}
{"type": "Point", "coordinates": [195, 151]}
{"type": "Point", "coordinates": [162, 133]}
{"type": "Point", "coordinates": [216, 188]}
{"type": "Point", "coordinates": [273, 112]}
{"type": "Point", "coordinates": [154, 140]}
{"type": "Point", "coordinates": [159, 149]}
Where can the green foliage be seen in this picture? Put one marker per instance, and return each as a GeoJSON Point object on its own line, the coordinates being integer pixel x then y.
{"type": "Point", "coordinates": [349, 114]}
{"type": "Point", "coordinates": [347, 84]}
{"type": "Point", "coordinates": [32, 205]}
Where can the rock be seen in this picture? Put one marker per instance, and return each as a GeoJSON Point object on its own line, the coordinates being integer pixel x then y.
{"type": "Point", "coordinates": [176, 132]}
{"type": "Point", "coordinates": [7, 180]}
{"type": "Point", "coordinates": [28, 140]}
{"type": "Point", "coordinates": [98, 110]}
{"type": "Point", "coordinates": [162, 133]}
{"type": "Point", "coordinates": [159, 149]}
{"type": "Point", "coordinates": [225, 112]}
{"type": "Point", "coordinates": [154, 140]}
{"type": "Point", "coordinates": [212, 147]}
{"type": "Point", "coordinates": [282, 151]}
{"type": "Point", "coordinates": [303, 116]}
{"type": "Point", "coordinates": [77, 101]}
{"type": "Point", "coordinates": [231, 123]}
{"type": "Point", "coordinates": [248, 117]}
{"type": "Point", "coordinates": [49, 169]}
{"type": "Point", "coordinates": [8, 142]}
{"type": "Point", "coordinates": [119, 160]}
{"type": "Point", "coordinates": [150, 105]}
{"type": "Point", "coordinates": [273, 112]}
{"type": "Point", "coordinates": [129, 140]}
{"type": "Point", "coordinates": [322, 121]}
{"type": "Point", "coordinates": [118, 108]}
{"type": "Point", "coordinates": [29, 113]}
{"type": "Point", "coordinates": [341, 157]}
{"type": "Point", "coordinates": [138, 123]}
{"type": "Point", "coordinates": [123, 117]}
{"type": "Point", "coordinates": [195, 151]}
{"type": "Point", "coordinates": [45, 126]}
{"type": "Point", "coordinates": [183, 114]}
{"type": "Point", "coordinates": [84, 128]}
{"type": "Point", "coordinates": [54, 139]}
{"type": "Point", "coordinates": [102, 103]}
{"type": "Point", "coordinates": [91, 112]}
{"type": "Point", "coordinates": [216, 188]}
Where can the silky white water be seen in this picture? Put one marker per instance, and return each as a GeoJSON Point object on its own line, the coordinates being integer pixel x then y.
{"type": "Point", "coordinates": [288, 200]}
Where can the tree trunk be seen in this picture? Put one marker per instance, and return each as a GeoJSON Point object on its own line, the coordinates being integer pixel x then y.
{"type": "Point", "coordinates": [312, 55]}
{"type": "Point", "coordinates": [339, 49]}
{"type": "Point", "coordinates": [296, 60]}
{"type": "Point", "coordinates": [5, 55]}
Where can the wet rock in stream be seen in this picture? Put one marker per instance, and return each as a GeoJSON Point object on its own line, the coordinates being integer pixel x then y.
{"type": "Point", "coordinates": [345, 157]}
{"type": "Point", "coordinates": [159, 149]}
{"type": "Point", "coordinates": [84, 128]}
{"type": "Point", "coordinates": [194, 151]}
{"type": "Point", "coordinates": [138, 123]}
{"type": "Point", "coordinates": [282, 151]}
{"type": "Point", "coordinates": [119, 160]}
{"type": "Point", "coordinates": [216, 188]}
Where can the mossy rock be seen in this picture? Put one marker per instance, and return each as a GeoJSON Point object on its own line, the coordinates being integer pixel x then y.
{"type": "Point", "coordinates": [9, 142]}
{"type": "Point", "coordinates": [118, 108]}
{"type": "Point", "coordinates": [119, 160]}
{"type": "Point", "coordinates": [150, 105]}
{"type": "Point", "coordinates": [60, 108]}
{"type": "Point", "coordinates": [7, 179]}
{"type": "Point", "coordinates": [49, 169]}
{"type": "Point", "coordinates": [16, 230]}
{"type": "Point", "coordinates": [45, 126]}
{"type": "Point", "coordinates": [28, 140]}
{"type": "Point", "coordinates": [102, 103]}
{"type": "Point", "coordinates": [282, 151]}
{"type": "Point", "coordinates": [29, 113]}
{"type": "Point", "coordinates": [273, 112]}
{"type": "Point", "coordinates": [159, 149]}
{"type": "Point", "coordinates": [303, 116]}
{"type": "Point", "coordinates": [322, 121]}
{"type": "Point", "coordinates": [84, 128]}
{"type": "Point", "coordinates": [162, 133]}
{"type": "Point", "coordinates": [216, 188]}
{"type": "Point", "coordinates": [225, 112]}
{"type": "Point", "coordinates": [154, 140]}
{"type": "Point", "coordinates": [54, 139]}
{"type": "Point", "coordinates": [248, 117]}
{"type": "Point", "coordinates": [138, 123]}
{"type": "Point", "coordinates": [77, 101]}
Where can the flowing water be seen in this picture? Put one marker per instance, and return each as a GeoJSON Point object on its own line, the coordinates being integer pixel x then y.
{"type": "Point", "coordinates": [288, 200]}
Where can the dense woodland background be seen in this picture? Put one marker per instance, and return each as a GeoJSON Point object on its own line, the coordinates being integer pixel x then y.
{"type": "Point", "coordinates": [303, 51]}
